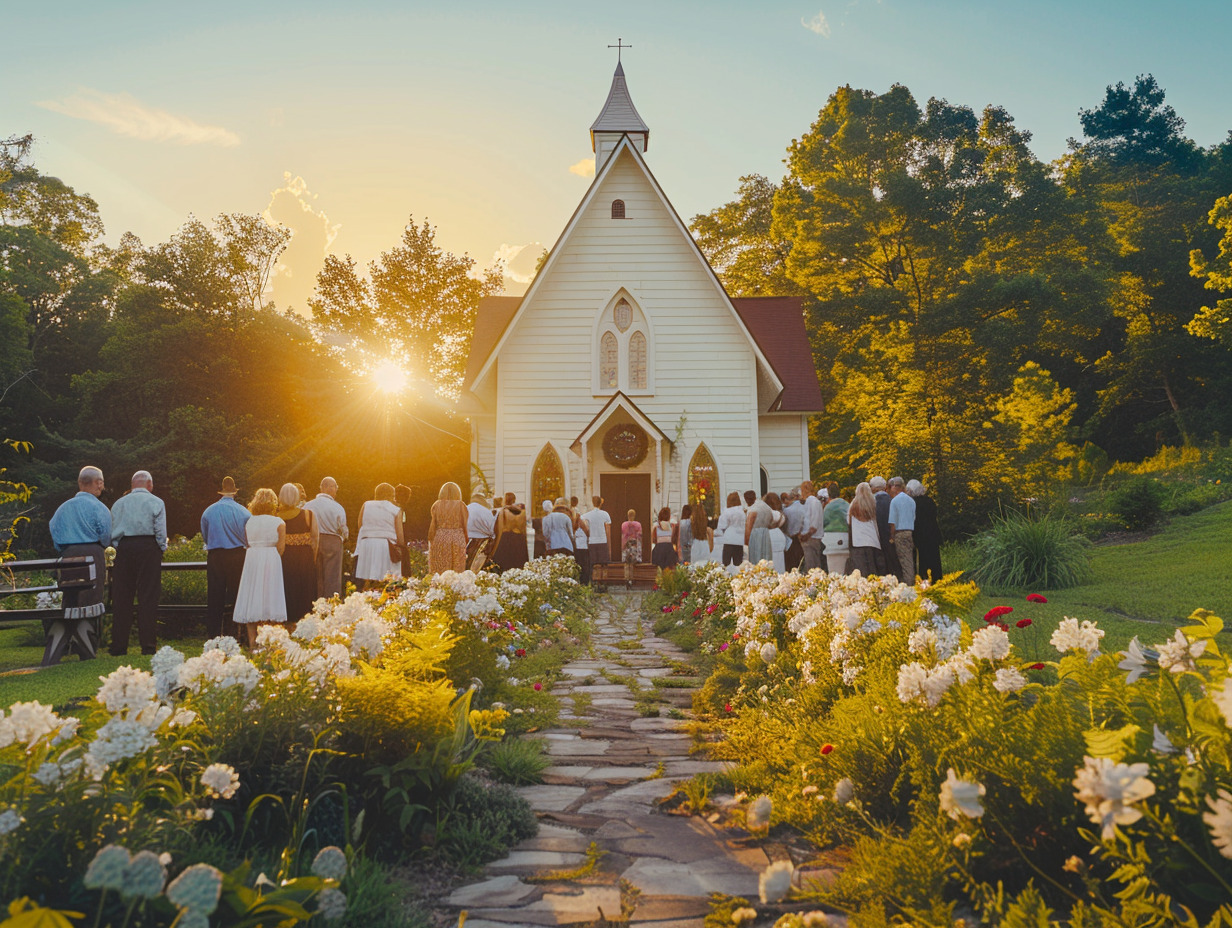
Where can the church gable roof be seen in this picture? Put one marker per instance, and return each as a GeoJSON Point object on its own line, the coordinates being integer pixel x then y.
{"type": "Point", "coordinates": [777, 325]}
{"type": "Point", "coordinates": [478, 367]}
{"type": "Point", "coordinates": [618, 113]}
{"type": "Point", "coordinates": [491, 318]}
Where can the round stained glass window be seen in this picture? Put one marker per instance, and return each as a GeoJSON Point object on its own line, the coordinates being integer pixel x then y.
{"type": "Point", "coordinates": [625, 445]}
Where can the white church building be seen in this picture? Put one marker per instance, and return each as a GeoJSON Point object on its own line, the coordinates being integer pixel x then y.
{"type": "Point", "coordinates": [626, 371]}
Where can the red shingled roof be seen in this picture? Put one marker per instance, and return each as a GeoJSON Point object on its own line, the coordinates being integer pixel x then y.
{"type": "Point", "coordinates": [775, 322]}
{"type": "Point", "coordinates": [777, 325]}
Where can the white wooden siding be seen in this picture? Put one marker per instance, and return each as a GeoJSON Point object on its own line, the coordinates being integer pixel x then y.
{"type": "Point", "coordinates": [781, 456]}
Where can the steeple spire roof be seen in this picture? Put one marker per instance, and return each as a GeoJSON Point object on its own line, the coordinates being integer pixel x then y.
{"type": "Point", "coordinates": [618, 113]}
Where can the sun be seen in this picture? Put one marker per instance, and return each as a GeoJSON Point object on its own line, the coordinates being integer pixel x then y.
{"type": "Point", "coordinates": [388, 377]}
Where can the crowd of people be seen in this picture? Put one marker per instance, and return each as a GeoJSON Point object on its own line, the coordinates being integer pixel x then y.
{"type": "Point", "coordinates": [879, 527]}
{"type": "Point", "coordinates": [270, 560]}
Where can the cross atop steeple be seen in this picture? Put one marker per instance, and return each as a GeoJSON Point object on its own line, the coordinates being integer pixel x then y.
{"type": "Point", "coordinates": [618, 117]}
{"type": "Point", "coordinates": [618, 46]}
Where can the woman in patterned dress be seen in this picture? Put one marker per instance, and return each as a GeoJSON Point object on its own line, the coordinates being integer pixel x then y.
{"type": "Point", "coordinates": [447, 531]}
{"type": "Point", "coordinates": [299, 557]}
{"type": "Point", "coordinates": [631, 545]}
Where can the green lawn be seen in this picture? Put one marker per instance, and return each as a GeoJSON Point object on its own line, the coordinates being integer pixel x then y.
{"type": "Point", "coordinates": [1146, 588]}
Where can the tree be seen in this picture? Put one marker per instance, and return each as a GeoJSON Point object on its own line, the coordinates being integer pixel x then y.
{"type": "Point", "coordinates": [1215, 321]}
{"type": "Point", "coordinates": [417, 307]}
{"type": "Point", "coordinates": [738, 239]}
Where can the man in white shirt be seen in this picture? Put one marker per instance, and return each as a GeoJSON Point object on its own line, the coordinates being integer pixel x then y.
{"type": "Point", "coordinates": [480, 526]}
{"type": "Point", "coordinates": [332, 524]}
{"type": "Point", "coordinates": [730, 531]}
{"type": "Point", "coordinates": [810, 529]}
{"type": "Point", "coordinates": [599, 534]}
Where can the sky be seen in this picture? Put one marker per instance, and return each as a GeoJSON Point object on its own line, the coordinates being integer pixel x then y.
{"type": "Point", "coordinates": [344, 120]}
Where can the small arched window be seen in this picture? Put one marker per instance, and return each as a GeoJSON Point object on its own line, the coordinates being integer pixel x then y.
{"type": "Point", "coordinates": [637, 361]}
{"type": "Point", "coordinates": [547, 479]}
{"type": "Point", "coordinates": [609, 361]}
{"type": "Point", "coordinates": [618, 209]}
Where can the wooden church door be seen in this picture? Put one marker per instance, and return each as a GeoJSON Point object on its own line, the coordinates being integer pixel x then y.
{"type": "Point", "coordinates": [622, 492]}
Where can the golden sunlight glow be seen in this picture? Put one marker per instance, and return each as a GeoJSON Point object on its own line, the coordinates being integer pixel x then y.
{"type": "Point", "coordinates": [389, 377]}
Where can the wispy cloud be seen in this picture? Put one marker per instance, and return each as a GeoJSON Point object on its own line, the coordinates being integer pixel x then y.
{"type": "Point", "coordinates": [817, 24]}
{"type": "Point", "coordinates": [292, 205]}
{"type": "Point", "coordinates": [124, 114]}
{"type": "Point", "coordinates": [518, 261]}
{"type": "Point", "coordinates": [584, 168]}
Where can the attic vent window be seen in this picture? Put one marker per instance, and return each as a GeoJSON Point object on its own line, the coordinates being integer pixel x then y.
{"type": "Point", "coordinates": [618, 209]}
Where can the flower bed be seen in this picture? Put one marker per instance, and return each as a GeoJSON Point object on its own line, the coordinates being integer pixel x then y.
{"type": "Point", "coordinates": [980, 772]}
{"type": "Point", "coordinates": [352, 730]}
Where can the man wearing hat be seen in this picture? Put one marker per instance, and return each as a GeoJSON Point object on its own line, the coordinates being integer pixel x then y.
{"type": "Point", "coordinates": [480, 526]}
{"type": "Point", "coordinates": [223, 529]}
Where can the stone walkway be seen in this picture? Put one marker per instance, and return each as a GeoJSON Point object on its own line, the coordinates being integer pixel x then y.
{"type": "Point", "coordinates": [624, 750]}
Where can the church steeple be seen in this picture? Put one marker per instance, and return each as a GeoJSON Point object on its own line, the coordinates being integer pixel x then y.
{"type": "Point", "coordinates": [618, 117]}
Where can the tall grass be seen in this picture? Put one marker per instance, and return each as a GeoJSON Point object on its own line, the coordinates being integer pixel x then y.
{"type": "Point", "coordinates": [1021, 552]}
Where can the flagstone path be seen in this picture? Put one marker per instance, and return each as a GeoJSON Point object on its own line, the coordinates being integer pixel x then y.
{"type": "Point", "coordinates": [612, 763]}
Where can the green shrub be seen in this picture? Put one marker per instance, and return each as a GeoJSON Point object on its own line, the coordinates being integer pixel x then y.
{"type": "Point", "coordinates": [375, 900]}
{"type": "Point", "coordinates": [184, 587]}
{"type": "Point", "coordinates": [1138, 503]}
{"type": "Point", "coordinates": [517, 760]}
{"type": "Point", "coordinates": [1021, 552]}
{"type": "Point", "coordinates": [482, 821]}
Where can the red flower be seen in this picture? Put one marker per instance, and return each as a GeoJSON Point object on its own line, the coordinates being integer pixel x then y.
{"type": "Point", "coordinates": [538, 687]}
{"type": "Point", "coordinates": [1002, 626]}
{"type": "Point", "coordinates": [520, 652]}
{"type": "Point", "coordinates": [511, 626]}
{"type": "Point", "coordinates": [826, 749]}
{"type": "Point", "coordinates": [710, 609]}
{"type": "Point", "coordinates": [723, 646]}
{"type": "Point", "coordinates": [667, 608]}
{"type": "Point", "coordinates": [727, 707]}
{"type": "Point", "coordinates": [1036, 598]}
{"type": "Point", "coordinates": [996, 612]}
{"type": "Point", "coordinates": [1023, 623]}
{"type": "Point", "coordinates": [655, 587]}
{"type": "Point", "coordinates": [1035, 666]}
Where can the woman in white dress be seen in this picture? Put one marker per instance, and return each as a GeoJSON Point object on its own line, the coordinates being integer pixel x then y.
{"type": "Point", "coordinates": [380, 525]}
{"type": "Point", "coordinates": [703, 535]}
{"type": "Point", "coordinates": [260, 597]}
{"type": "Point", "coordinates": [778, 541]}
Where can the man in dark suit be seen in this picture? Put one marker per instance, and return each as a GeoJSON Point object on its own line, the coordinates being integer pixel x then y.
{"type": "Point", "coordinates": [887, 560]}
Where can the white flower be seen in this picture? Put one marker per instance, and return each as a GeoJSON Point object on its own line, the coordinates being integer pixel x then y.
{"type": "Point", "coordinates": [1180, 654]}
{"type": "Point", "coordinates": [1219, 820]}
{"type": "Point", "coordinates": [742, 915]}
{"type": "Point", "coordinates": [961, 798]}
{"type": "Point", "coordinates": [1109, 790]}
{"type": "Point", "coordinates": [196, 889]}
{"type": "Point", "coordinates": [1161, 743]}
{"type": "Point", "coordinates": [990, 643]}
{"type": "Point", "coordinates": [758, 815]}
{"type": "Point", "coordinates": [330, 863]}
{"type": "Point", "coordinates": [1009, 680]}
{"type": "Point", "coordinates": [911, 678]}
{"type": "Point", "coordinates": [220, 780]}
{"type": "Point", "coordinates": [225, 643]}
{"type": "Point", "coordinates": [144, 877]}
{"type": "Point", "coordinates": [274, 635]}
{"type": "Point", "coordinates": [182, 718]}
{"type": "Point", "coordinates": [769, 652]}
{"type": "Point", "coordinates": [117, 740]}
{"type": "Point", "coordinates": [815, 919]}
{"type": "Point", "coordinates": [775, 881]}
{"type": "Point", "coordinates": [922, 640]}
{"type": "Point", "coordinates": [332, 904]}
{"type": "Point", "coordinates": [165, 660]}
{"type": "Point", "coordinates": [844, 791]}
{"type": "Point", "coordinates": [10, 821]}
{"type": "Point", "coordinates": [107, 869]}
{"type": "Point", "coordinates": [1070, 636]}
{"type": "Point", "coordinates": [1137, 662]}
{"type": "Point", "coordinates": [28, 723]}
{"type": "Point", "coordinates": [916, 682]}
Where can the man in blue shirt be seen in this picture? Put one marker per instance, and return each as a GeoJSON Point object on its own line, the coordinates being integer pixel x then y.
{"type": "Point", "coordinates": [902, 530]}
{"type": "Point", "coordinates": [223, 529]}
{"type": "Point", "coordinates": [81, 527]}
{"type": "Point", "coordinates": [139, 528]}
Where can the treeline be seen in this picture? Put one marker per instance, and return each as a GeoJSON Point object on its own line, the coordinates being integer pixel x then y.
{"type": "Point", "coordinates": [988, 321]}
{"type": "Point", "coordinates": [170, 357]}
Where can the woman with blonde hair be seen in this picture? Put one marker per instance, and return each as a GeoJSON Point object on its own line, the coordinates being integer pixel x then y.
{"type": "Point", "coordinates": [260, 597]}
{"type": "Point", "coordinates": [447, 531]}
{"type": "Point", "coordinates": [299, 557]}
{"type": "Point", "coordinates": [631, 545]}
{"type": "Point", "coordinates": [378, 552]}
{"type": "Point", "coordinates": [863, 541]}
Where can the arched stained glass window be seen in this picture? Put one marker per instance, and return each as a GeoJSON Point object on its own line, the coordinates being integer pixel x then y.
{"type": "Point", "coordinates": [637, 361]}
{"type": "Point", "coordinates": [547, 480]}
{"type": "Point", "coordinates": [618, 209]}
{"type": "Point", "coordinates": [623, 314]}
{"type": "Point", "coordinates": [704, 481]}
{"type": "Point", "coordinates": [609, 361]}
